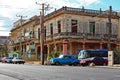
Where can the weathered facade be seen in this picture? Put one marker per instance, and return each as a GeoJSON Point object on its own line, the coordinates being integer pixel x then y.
{"type": "Point", "coordinates": [4, 48]}
{"type": "Point", "coordinates": [67, 30]}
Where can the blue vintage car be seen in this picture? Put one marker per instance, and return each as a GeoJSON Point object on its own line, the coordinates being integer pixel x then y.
{"type": "Point", "coordinates": [65, 59]}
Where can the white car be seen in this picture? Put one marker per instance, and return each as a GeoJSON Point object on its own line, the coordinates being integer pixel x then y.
{"type": "Point", "coordinates": [16, 60]}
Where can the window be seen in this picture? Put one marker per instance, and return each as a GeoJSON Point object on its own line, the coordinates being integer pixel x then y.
{"type": "Point", "coordinates": [51, 29]}
{"type": "Point", "coordinates": [92, 27]}
{"type": "Point", "coordinates": [59, 26]}
{"type": "Point", "coordinates": [74, 26]}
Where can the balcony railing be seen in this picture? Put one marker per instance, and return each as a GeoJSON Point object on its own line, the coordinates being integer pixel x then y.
{"type": "Point", "coordinates": [67, 35]}
{"type": "Point", "coordinates": [80, 35]}
{"type": "Point", "coordinates": [83, 11]}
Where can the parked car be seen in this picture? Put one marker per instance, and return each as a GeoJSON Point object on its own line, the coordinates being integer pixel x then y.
{"type": "Point", "coordinates": [0, 59]}
{"type": "Point", "coordinates": [65, 59]}
{"type": "Point", "coordinates": [94, 61]}
{"type": "Point", "coordinates": [7, 60]}
{"type": "Point", "coordinates": [16, 60]}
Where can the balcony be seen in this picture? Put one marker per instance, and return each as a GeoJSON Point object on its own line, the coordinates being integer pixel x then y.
{"type": "Point", "coordinates": [82, 11]}
{"type": "Point", "coordinates": [64, 35]}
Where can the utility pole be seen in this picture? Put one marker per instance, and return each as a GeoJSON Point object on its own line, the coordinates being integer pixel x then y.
{"type": "Point", "coordinates": [42, 33]}
{"type": "Point", "coordinates": [42, 30]}
{"type": "Point", "coordinates": [109, 33]}
{"type": "Point", "coordinates": [21, 20]}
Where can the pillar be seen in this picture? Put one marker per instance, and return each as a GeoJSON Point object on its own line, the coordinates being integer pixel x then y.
{"type": "Point", "coordinates": [110, 58]}
{"type": "Point", "coordinates": [101, 45]}
{"type": "Point", "coordinates": [55, 47]}
{"type": "Point", "coordinates": [83, 45]}
{"type": "Point", "coordinates": [48, 51]}
{"type": "Point", "coordinates": [70, 47]}
{"type": "Point", "coordinates": [65, 45]}
{"type": "Point", "coordinates": [36, 52]}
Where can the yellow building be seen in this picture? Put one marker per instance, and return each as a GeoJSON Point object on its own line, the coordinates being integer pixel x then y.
{"type": "Point", "coordinates": [67, 30]}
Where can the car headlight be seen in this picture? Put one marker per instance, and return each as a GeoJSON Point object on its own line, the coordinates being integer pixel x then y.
{"type": "Point", "coordinates": [51, 60]}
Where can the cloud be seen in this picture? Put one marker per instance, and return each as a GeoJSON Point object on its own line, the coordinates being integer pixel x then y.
{"type": "Point", "coordinates": [3, 30]}
{"type": "Point", "coordinates": [71, 3]}
{"type": "Point", "coordinates": [10, 8]}
{"type": "Point", "coordinates": [3, 33]}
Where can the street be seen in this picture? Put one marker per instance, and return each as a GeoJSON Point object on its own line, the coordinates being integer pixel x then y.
{"type": "Point", "coordinates": [45, 72]}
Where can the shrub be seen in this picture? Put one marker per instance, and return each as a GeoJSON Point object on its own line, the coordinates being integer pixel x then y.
{"type": "Point", "coordinates": [53, 55]}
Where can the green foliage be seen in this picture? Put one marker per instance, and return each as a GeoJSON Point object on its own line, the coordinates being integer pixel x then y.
{"type": "Point", "coordinates": [53, 55]}
{"type": "Point", "coordinates": [17, 51]}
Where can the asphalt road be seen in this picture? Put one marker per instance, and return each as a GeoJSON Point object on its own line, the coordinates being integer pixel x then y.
{"type": "Point", "coordinates": [40, 72]}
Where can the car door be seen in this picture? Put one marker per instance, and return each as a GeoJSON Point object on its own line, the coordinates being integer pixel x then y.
{"type": "Point", "coordinates": [67, 59]}
{"type": "Point", "coordinates": [98, 60]}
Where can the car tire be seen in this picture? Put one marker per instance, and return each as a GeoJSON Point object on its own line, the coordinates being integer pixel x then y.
{"type": "Point", "coordinates": [104, 64]}
{"type": "Point", "coordinates": [57, 63]}
{"type": "Point", "coordinates": [70, 64]}
{"type": "Point", "coordinates": [75, 64]}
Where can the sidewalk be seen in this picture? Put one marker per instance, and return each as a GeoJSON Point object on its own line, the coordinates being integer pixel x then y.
{"type": "Point", "coordinates": [117, 66]}
{"type": "Point", "coordinates": [112, 67]}
{"type": "Point", "coordinates": [4, 77]}
{"type": "Point", "coordinates": [33, 62]}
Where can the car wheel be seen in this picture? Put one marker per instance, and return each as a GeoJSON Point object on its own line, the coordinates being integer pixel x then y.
{"type": "Point", "coordinates": [83, 65]}
{"type": "Point", "coordinates": [104, 64]}
{"type": "Point", "coordinates": [57, 63]}
{"type": "Point", "coordinates": [70, 64]}
{"type": "Point", "coordinates": [75, 64]}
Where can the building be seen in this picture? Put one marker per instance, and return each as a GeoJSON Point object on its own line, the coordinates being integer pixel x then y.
{"type": "Point", "coordinates": [4, 48]}
{"type": "Point", "coordinates": [67, 30]}
{"type": "Point", "coordinates": [22, 39]}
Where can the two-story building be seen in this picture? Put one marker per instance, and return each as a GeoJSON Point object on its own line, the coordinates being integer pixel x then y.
{"type": "Point", "coordinates": [4, 48]}
{"type": "Point", "coordinates": [67, 30]}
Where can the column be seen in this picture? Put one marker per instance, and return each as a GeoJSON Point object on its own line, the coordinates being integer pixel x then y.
{"type": "Point", "coordinates": [55, 47]}
{"type": "Point", "coordinates": [48, 51]}
{"type": "Point", "coordinates": [36, 48]}
{"type": "Point", "coordinates": [65, 44]}
{"type": "Point", "coordinates": [83, 45]}
{"type": "Point", "coordinates": [101, 45]}
{"type": "Point", "coordinates": [70, 47]}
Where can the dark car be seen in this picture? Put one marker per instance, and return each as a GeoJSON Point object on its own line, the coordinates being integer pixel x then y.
{"type": "Point", "coordinates": [16, 60]}
{"type": "Point", "coordinates": [0, 59]}
{"type": "Point", "coordinates": [7, 60]}
{"type": "Point", "coordinates": [65, 59]}
{"type": "Point", "coordinates": [94, 61]}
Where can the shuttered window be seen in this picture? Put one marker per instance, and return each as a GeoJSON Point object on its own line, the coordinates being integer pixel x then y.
{"type": "Point", "coordinates": [74, 25]}
{"type": "Point", "coordinates": [92, 27]}
{"type": "Point", "coordinates": [51, 29]}
{"type": "Point", "coordinates": [59, 26]}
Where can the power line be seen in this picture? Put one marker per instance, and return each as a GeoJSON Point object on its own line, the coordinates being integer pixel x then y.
{"type": "Point", "coordinates": [4, 31]}
{"type": "Point", "coordinates": [27, 10]}
{"type": "Point", "coordinates": [9, 7]}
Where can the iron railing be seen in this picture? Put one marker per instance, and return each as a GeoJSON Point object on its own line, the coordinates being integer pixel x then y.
{"type": "Point", "coordinates": [81, 35]}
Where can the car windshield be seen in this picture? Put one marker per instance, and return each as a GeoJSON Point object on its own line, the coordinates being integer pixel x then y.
{"type": "Point", "coordinates": [61, 56]}
{"type": "Point", "coordinates": [18, 58]}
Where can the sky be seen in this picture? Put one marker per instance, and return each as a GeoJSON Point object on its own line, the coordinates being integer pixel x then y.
{"type": "Point", "coordinates": [11, 9]}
